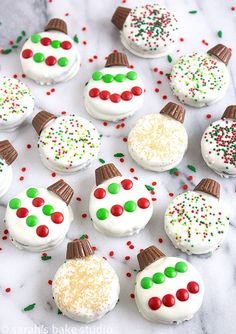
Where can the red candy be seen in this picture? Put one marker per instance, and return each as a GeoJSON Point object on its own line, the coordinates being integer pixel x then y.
{"type": "Point", "coordinates": [182, 295]}
{"type": "Point", "coordinates": [104, 95]}
{"type": "Point", "coordinates": [126, 96]}
{"type": "Point", "coordinates": [50, 60]}
{"type": "Point", "coordinates": [27, 53]}
{"type": "Point", "coordinates": [57, 217]}
{"type": "Point", "coordinates": [117, 210]}
{"type": "Point", "coordinates": [143, 203]}
{"type": "Point", "coordinates": [37, 202]}
{"type": "Point", "coordinates": [66, 45]}
{"type": "Point", "coordinates": [42, 231]}
{"type": "Point", "coordinates": [22, 212]}
{"type": "Point", "coordinates": [136, 91]}
{"type": "Point", "coordinates": [193, 287]}
{"type": "Point", "coordinates": [94, 92]}
{"type": "Point", "coordinates": [115, 98]}
{"type": "Point", "coordinates": [100, 193]}
{"type": "Point", "coordinates": [127, 184]}
{"type": "Point", "coordinates": [168, 300]}
{"type": "Point", "coordinates": [45, 41]}
{"type": "Point", "coordinates": [154, 303]}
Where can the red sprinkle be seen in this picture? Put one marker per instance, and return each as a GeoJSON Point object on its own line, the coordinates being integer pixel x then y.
{"type": "Point", "coordinates": [8, 290]}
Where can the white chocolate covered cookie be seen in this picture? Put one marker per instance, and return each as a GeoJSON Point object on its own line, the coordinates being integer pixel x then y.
{"type": "Point", "coordinates": [7, 156]}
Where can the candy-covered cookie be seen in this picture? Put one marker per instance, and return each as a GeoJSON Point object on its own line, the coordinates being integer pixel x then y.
{"type": "Point", "coordinates": [51, 56]}
{"type": "Point", "coordinates": [201, 79]}
{"type": "Point", "coordinates": [147, 31]}
{"type": "Point", "coordinates": [168, 289]}
{"type": "Point", "coordinates": [85, 287]}
{"type": "Point", "coordinates": [218, 144]}
{"type": "Point", "coordinates": [114, 92]}
{"type": "Point", "coordinates": [7, 156]}
{"type": "Point", "coordinates": [66, 143]}
{"type": "Point", "coordinates": [118, 205]}
{"type": "Point", "coordinates": [195, 221]}
{"type": "Point", "coordinates": [16, 103]}
{"type": "Point", "coordinates": [158, 141]}
{"type": "Point", "coordinates": [38, 219]}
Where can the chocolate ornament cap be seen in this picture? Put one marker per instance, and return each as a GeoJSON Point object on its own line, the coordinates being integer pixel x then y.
{"type": "Point", "coordinates": [78, 249]}
{"type": "Point", "coordinates": [56, 24]}
{"type": "Point", "coordinates": [7, 152]}
{"type": "Point", "coordinates": [209, 186]}
{"type": "Point", "coordinates": [41, 119]}
{"type": "Point", "coordinates": [119, 17]}
{"type": "Point", "coordinates": [63, 190]}
{"type": "Point", "coordinates": [117, 59]}
{"type": "Point", "coordinates": [148, 256]}
{"type": "Point", "coordinates": [106, 172]}
{"type": "Point", "coordinates": [230, 112]}
{"type": "Point", "coordinates": [175, 111]}
{"type": "Point", "coordinates": [221, 52]}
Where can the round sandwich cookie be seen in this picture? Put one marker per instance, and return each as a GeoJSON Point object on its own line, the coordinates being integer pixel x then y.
{"type": "Point", "coordinates": [158, 142]}
{"type": "Point", "coordinates": [66, 143]}
{"type": "Point", "coordinates": [115, 92]}
{"type": "Point", "coordinates": [148, 31]}
{"type": "Point", "coordinates": [16, 103]}
{"type": "Point", "coordinates": [195, 221]}
{"type": "Point", "coordinates": [168, 290]}
{"type": "Point", "coordinates": [7, 156]}
{"type": "Point", "coordinates": [218, 144]}
{"type": "Point", "coordinates": [38, 219]}
{"type": "Point", "coordinates": [119, 206]}
{"type": "Point", "coordinates": [51, 56]}
{"type": "Point", "coordinates": [85, 287]}
{"type": "Point", "coordinates": [200, 79]}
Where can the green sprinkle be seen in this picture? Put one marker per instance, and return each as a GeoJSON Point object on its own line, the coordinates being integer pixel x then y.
{"type": "Point", "coordinates": [220, 34]}
{"type": "Point", "coordinates": [45, 257]}
{"type": "Point", "coordinates": [192, 168]}
{"type": "Point", "coordinates": [149, 188]}
{"type": "Point", "coordinates": [23, 33]}
{"type": "Point", "coordinates": [6, 51]}
{"type": "Point", "coordinates": [82, 237]}
{"type": "Point", "coordinates": [19, 38]}
{"type": "Point", "coordinates": [193, 12]}
{"type": "Point", "coordinates": [119, 155]}
{"type": "Point", "coordinates": [169, 58]}
{"type": "Point", "coordinates": [173, 171]}
{"type": "Point", "coordinates": [76, 38]}
{"type": "Point", "coordinates": [29, 307]}
{"type": "Point", "coordinates": [59, 311]}
{"type": "Point", "coordinates": [102, 161]}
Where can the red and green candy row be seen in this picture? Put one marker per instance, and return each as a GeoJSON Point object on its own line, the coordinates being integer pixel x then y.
{"type": "Point", "coordinates": [39, 57]}
{"type": "Point", "coordinates": [46, 41]}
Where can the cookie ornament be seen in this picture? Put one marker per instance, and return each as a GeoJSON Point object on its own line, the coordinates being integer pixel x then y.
{"type": "Point", "coordinates": [115, 92]}
{"type": "Point", "coordinates": [201, 79]}
{"type": "Point", "coordinates": [195, 221]}
{"type": "Point", "coordinates": [158, 142]}
{"type": "Point", "coordinates": [148, 31]}
{"type": "Point", "coordinates": [66, 143]}
{"type": "Point", "coordinates": [168, 289]}
{"type": "Point", "coordinates": [118, 205]}
{"type": "Point", "coordinates": [16, 103]}
{"type": "Point", "coordinates": [38, 219]}
{"type": "Point", "coordinates": [85, 287]}
{"type": "Point", "coordinates": [7, 156]}
{"type": "Point", "coordinates": [51, 56]}
{"type": "Point", "coordinates": [218, 144]}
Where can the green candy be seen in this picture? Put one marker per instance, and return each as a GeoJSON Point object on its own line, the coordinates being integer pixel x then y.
{"type": "Point", "coordinates": [48, 210]}
{"type": "Point", "coordinates": [130, 206]}
{"type": "Point", "coordinates": [170, 272]}
{"type": "Point", "coordinates": [15, 203]}
{"type": "Point", "coordinates": [132, 75]}
{"type": "Point", "coordinates": [107, 78]}
{"type": "Point", "coordinates": [120, 77]}
{"type": "Point", "coordinates": [146, 283]}
{"type": "Point", "coordinates": [114, 188]}
{"type": "Point", "coordinates": [35, 38]}
{"type": "Point", "coordinates": [32, 192]}
{"type": "Point", "coordinates": [55, 44]}
{"type": "Point", "coordinates": [31, 221]}
{"type": "Point", "coordinates": [39, 57]}
{"type": "Point", "coordinates": [97, 76]}
{"type": "Point", "coordinates": [158, 278]}
{"type": "Point", "coordinates": [102, 214]}
{"type": "Point", "coordinates": [63, 61]}
{"type": "Point", "coordinates": [181, 267]}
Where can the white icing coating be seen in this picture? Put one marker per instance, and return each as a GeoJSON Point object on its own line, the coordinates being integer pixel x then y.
{"type": "Point", "coordinates": [26, 237]}
{"type": "Point", "coordinates": [150, 31]}
{"type": "Point", "coordinates": [157, 142]}
{"type": "Point", "coordinates": [196, 223]}
{"type": "Point", "coordinates": [16, 103]}
{"type": "Point", "coordinates": [5, 177]}
{"type": "Point", "coordinates": [106, 109]}
{"type": "Point", "coordinates": [128, 223]}
{"type": "Point", "coordinates": [181, 310]}
{"type": "Point", "coordinates": [199, 79]}
{"type": "Point", "coordinates": [68, 144]}
{"type": "Point", "coordinates": [41, 72]}
{"type": "Point", "coordinates": [218, 147]}
{"type": "Point", "coordinates": [86, 289]}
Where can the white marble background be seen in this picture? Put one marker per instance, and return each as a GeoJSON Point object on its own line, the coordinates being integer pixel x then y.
{"type": "Point", "coordinates": [25, 273]}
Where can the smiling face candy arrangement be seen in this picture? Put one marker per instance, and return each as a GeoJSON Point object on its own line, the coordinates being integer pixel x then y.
{"type": "Point", "coordinates": [201, 79]}
{"type": "Point", "coordinates": [7, 156]}
{"type": "Point", "coordinates": [118, 205]}
{"type": "Point", "coordinates": [158, 142]}
{"type": "Point", "coordinates": [66, 143]}
{"type": "Point", "coordinates": [218, 144]}
{"type": "Point", "coordinates": [85, 287]}
{"type": "Point", "coordinates": [167, 289]}
{"type": "Point", "coordinates": [38, 219]}
{"type": "Point", "coordinates": [195, 221]}
{"type": "Point", "coordinates": [114, 92]}
{"type": "Point", "coordinates": [51, 56]}
{"type": "Point", "coordinates": [148, 31]}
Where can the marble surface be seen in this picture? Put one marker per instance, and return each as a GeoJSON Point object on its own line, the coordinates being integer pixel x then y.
{"type": "Point", "coordinates": [25, 273]}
